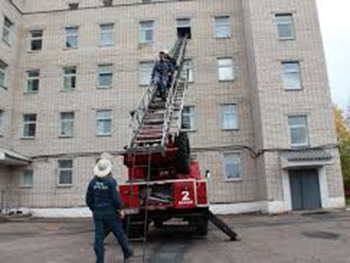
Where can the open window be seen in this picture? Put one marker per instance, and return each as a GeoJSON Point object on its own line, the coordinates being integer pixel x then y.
{"type": "Point", "coordinates": [184, 27]}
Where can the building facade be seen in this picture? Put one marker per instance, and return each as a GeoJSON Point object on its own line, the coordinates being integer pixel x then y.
{"type": "Point", "coordinates": [258, 108]}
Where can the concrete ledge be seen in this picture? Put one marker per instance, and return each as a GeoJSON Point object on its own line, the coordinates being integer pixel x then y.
{"type": "Point", "coordinates": [272, 207]}
{"type": "Point", "coordinates": [336, 202]}
{"type": "Point", "coordinates": [239, 208]}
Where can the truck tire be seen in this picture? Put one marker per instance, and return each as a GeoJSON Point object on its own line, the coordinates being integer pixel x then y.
{"type": "Point", "coordinates": [201, 226]}
{"type": "Point", "coordinates": [182, 158]}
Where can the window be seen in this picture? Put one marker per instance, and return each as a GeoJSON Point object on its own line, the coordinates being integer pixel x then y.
{"type": "Point", "coordinates": [291, 75]}
{"type": "Point", "coordinates": [27, 179]}
{"type": "Point", "coordinates": [298, 131]}
{"type": "Point", "coordinates": [67, 124]}
{"type": "Point", "coordinates": [285, 27]}
{"type": "Point", "coordinates": [146, 32]}
{"type": "Point", "coordinates": [73, 6]}
{"type": "Point", "coordinates": [187, 70]}
{"type": "Point", "coordinates": [225, 66]}
{"type": "Point", "coordinates": [33, 79]}
{"type": "Point", "coordinates": [107, 35]}
{"type": "Point", "coordinates": [229, 117]}
{"type": "Point", "coordinates": [1, 121]}
{"type": "Point", "coordinates": [3, 67]}
{"type": "Point", "coordinates": [65, 172]}
{"type": "Point", "coordinates": [7, 31]}
{"type": "Point", "coordinates": [222, 27]}
{"type": "Point", "coordinates": [232, 166]}
{"type": "Point", "coordinates": [29, 125]}
{"type": "Point", "coordinates": [70, 78]}
{"type": "Point", "coordinates": [72, 34]}
{"type": "Point", "coordinates": [105, 76]}
{"type": "Point", "coordinates": [107, 2]}
{"type": "Point", "coordinates": [104, 122]}
{"type": "Point", "coordinates": [188, 118]}
{"type": "Point", "coordinates": [36, 41]}
{"type": "Point", "coordinates": [184, 27]}
{"type": "Point", "coordinates": [145, 72]}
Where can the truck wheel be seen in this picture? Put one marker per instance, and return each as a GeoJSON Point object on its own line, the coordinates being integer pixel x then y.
{"type": "Point", "coordinates": [202, 226]}
{"type": "Point", "coordinates": [182, 158]}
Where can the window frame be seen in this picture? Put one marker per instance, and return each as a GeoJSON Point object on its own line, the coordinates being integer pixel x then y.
{"type": "Point", "coordinates": [284, 73]}
{"type": "Point", "coordinates": [220, 67]}
{"type": "Point", "coordinates": [142, 71]}
{"type": "Point", "coordinates": [3, 69]}
{"type": "Point", "coordinates": [190, 69]}
{"type": "Point", "coordinates": [239, 155]}
{"type": "Point", "coordinates": [23, 183]}
{"type": "Point", "coordinates": [32, 79]}
{"type": "Point", "coordinates": [70, 34]}
{"type": "Point", "coordinates": [59, 170]}
{"type": "Point", "coordinates": [142, 32]}
{"type": "Point", "coordinates": [223, 114]}
{"type": "Point", "coordinates": [307, 135]}
{"type": "Point", "coordinates": [39, 38]}
{"type": "Point", "coordinates": [291, 23]}
{"type": "Point", "coordinates": [179, 26]}
{"type": "Point", "coordinates": [69, 76]}
{"type": "Point", "coordinates": [105, 72]}
{"type": "Point", "coordinates": [103, 119]}
{"type": "Point", "coordinates": [7, 27]}
{"type": "Point", "coordinates": [109, 32]}
{"type": "Point", "coordinates": [30, 122]}
{"type": "Point", "coordinates": [65, 121]}
{"type": "Point", "coordinates": [192, 116]}
{"type": "Point", "coordinates": [227, 25]}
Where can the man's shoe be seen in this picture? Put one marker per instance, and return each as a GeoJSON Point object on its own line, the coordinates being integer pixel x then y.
{"type": "Point", "coordinates": [128, 257]}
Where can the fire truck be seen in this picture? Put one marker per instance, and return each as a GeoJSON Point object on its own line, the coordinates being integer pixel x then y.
{"type": "Point", "coordinates": [164, 182]}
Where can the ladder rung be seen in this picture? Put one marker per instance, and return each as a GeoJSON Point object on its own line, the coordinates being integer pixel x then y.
{"type": "Point", "coordinates": [148, 137]}
{"type": "Point", "coordinates": [148, 141]}
{"type": "Point", "coordinates": [154, 121]}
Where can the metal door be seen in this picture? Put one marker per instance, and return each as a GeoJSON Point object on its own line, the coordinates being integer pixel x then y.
{"type": "Point", "coordinates": [305, 189]}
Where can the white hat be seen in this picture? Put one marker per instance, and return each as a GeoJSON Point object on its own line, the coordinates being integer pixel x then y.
{"type": "Point", "coordinates": [165, 51]}
{"type": "Point", "coordinates": [103, 168]}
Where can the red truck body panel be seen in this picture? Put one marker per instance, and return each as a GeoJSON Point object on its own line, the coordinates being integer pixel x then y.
{"type": "Point", "coordinates": [182, 191]}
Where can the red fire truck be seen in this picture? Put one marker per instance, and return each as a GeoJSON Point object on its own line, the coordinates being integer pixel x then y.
{"type": "Point", "coordinates": [163, 181]}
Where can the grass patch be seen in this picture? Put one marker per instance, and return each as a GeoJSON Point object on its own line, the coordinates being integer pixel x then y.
{"type": "Point", "coordinates": [348, 202]}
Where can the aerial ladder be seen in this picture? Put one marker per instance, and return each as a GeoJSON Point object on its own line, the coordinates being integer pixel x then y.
{"type": "Point", "coordinates": [154, 119]}
{"type": "Point", "coordinates": [163, 181]}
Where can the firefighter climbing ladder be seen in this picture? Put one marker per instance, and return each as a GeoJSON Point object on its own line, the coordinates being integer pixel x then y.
{"type": "Point", "coordinates": [154, 119]}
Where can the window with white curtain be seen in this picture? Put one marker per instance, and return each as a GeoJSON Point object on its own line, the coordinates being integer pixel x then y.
{"type": "Point", "coordinates": [225, 67]}
{"type": "Point", "coordinates": [222, 27]}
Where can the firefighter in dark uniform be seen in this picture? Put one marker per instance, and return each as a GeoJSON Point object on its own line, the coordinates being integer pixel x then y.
{"type": "Point", "coordinates": [103, 200]}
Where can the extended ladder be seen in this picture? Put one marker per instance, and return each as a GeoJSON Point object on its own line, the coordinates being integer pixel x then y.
{"type": "Point", "coordinates": [154, 119]}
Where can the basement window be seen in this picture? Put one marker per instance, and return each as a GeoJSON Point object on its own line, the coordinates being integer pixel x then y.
{"type": "Point", "coordinates": [107, 2]}
{"type": "Point", "coordinates": [184, 27]}
{"type": "Point", "coordinates": [73, 6]}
